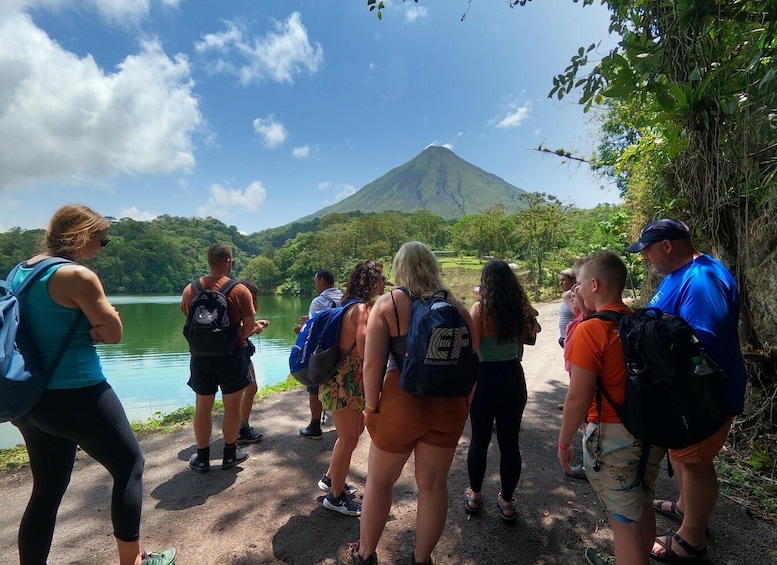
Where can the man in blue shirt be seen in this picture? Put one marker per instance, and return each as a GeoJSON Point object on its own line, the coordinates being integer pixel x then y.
{"type": "Point", "coordinates": [703, 292]}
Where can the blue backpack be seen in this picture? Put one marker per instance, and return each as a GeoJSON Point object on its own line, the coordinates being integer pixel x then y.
{"type": "Point", "coordinates": [439, 358]}
{"type": "Point", "coordinates": [21, 382]}
{"type": "Point", "coordinates": [315, 355]}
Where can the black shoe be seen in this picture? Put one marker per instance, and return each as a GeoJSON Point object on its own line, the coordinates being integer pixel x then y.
{"type": "Point", "coordinates": [248, 435]}
{"type": "Point", "coordinates": [343, 504]}
{"type": "Point", "coordinates": [230, 460]}
{"type": "Point", "coordinates": [199, 465]}
{"type": "Point", "coordinates": [325, 484]}
{"type": "Point", "coordinates": [311, 432]}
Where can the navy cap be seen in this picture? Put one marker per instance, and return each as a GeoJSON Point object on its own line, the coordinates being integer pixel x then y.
{"type": "Point", "coordinates": [666, 228]}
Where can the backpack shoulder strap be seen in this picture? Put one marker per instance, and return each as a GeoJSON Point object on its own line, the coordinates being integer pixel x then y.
{"type": "Point", "coordinates": [197, 286]}
{"type": "Point", "coordinates": [228, 286]}
{"type": "Point", "coordinates": [37, 271]}
{"type": "Point", "coordinates": [606, 315]}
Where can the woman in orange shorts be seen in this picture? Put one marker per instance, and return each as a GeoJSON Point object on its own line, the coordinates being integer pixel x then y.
{"type": "Point", "coordinates": [401, 424]}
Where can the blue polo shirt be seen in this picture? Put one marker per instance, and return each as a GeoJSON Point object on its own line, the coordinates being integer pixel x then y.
{"type": "Point", "coordinates": [705, 294]}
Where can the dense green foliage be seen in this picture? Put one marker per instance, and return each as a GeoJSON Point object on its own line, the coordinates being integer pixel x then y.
{"type": "Point", "coordinates": [165, 254]}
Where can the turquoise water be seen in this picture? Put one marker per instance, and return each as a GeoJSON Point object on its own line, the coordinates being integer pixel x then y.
{"type": "Point", "coordinates": [150, 367]}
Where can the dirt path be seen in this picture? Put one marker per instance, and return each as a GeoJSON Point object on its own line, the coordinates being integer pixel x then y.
{"type": "Point", "coordinates": [269, 510]}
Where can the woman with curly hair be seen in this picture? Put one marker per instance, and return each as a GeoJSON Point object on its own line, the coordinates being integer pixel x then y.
{"type": "Point", "coordinates": [504, 318]}
{"type": "Point", "coordinates": [343, 394]}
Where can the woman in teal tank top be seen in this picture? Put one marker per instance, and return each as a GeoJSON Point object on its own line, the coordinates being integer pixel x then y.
{"type": "Point", "coordinates": [79, 407]}
{"type": "Point", "coordinates": [504, 318]}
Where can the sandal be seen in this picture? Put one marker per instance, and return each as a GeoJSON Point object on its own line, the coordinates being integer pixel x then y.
{"type": "Point", "coordinates": [507, 510]}
{"type": "Point", "coordinates": [697, 556]}
{"type": "Point", "coordinates": [471, 502]}
{"type": "Point", "coordinates": [674, 511]}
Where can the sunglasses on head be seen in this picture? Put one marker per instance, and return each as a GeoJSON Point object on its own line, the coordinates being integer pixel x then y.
{"type": "Point", "coordinates": [104, 242]}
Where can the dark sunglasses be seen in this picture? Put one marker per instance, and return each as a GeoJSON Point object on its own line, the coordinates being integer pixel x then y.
{"type": "Point", "coordinates": [104, 242]}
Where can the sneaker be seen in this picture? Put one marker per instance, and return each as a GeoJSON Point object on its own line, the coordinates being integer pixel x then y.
{"type": "Point", "coordinates": [166, 557]}
{"type": "Point", "coordinates": [578, 472]}
{"type": "Point", "coordinates": [592, 557]}
{"type": "Point", "coordinates": [325, 484]}
{"type": "Point", "coordinates": [349, 555]}
{"type": "Point", "coordinates": [414, 562]}
{"type": "Point", "coordinates": [343, 504]}
{"type": "Point", "coordinates": [199, 465]}
{"type": "Point", "coordinates": [311, 432]}
{"type": "Point", "coordinates": [230, 461]}
{"type": "Point", "coordinates": [248, 435]}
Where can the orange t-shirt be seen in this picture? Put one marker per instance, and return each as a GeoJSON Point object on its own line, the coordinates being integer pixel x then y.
{"type": "Point", "coordinates": [240, 301]}
{"type": "Point", "coordinates": [597, 348]}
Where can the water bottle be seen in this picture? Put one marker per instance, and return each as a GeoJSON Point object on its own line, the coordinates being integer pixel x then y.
{"type": "Point", "coordinates": [700, 365]}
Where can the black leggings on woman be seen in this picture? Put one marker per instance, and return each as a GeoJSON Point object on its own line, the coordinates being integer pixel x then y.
{"type": "Point", "coordinates": [500, 395]}
{"type": "Point", "coordinates": [91, 417]}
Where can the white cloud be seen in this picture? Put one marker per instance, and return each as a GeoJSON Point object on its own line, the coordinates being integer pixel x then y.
{"type": "Point", "coordinates": [64, 120]}
{"type": "Point", "coordinates": [414, 12]}
{"type": "Point", "coordinates": [516, 115]}
{"type": "Point", "coordinates": [436, 143]}
{"type": "Point", "coordinates": [273, 132]}
{"type": "Point", "coordinates": [279, 56]}
{"type": "Point", "coordinates": [136, 214]}
{"type": "Point", "coordinates": [301, 152]}
{"type": "Point", "coordinates": [117, 11]}
{"type": "Point", "coordinates": [222, 199]}
{"type": "Point", "coordinates": [340, 190]}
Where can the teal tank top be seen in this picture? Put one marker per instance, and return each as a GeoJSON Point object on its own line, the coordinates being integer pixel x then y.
{"type": "Point", "coordinates": [49, 324]}
{"type": "Point", "coordinates": [490, 350]}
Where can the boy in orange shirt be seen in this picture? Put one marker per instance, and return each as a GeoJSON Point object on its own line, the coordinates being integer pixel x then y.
{"type": "Point", "coordinates": [610, 453]}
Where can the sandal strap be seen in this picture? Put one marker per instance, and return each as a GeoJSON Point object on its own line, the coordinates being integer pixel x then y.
{"type": "Point", "coordinates": [689, 549]}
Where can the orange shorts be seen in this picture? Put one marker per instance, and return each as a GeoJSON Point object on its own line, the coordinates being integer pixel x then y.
{"type": "Point", "coordinates": [402, 420]}
{"type": "Point", "coordinates": [704, 451]}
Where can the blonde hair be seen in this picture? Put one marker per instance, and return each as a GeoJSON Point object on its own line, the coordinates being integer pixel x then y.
{"type": "Point", "coordinates": [70, 229]}
{"type": "Point", "coordinates": [606, 266]}
{"type": "Point", "coordinates": [416, 268]}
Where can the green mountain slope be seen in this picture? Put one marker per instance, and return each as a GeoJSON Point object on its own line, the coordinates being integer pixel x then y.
{"type": "Point", "coordinates": [436, 180]}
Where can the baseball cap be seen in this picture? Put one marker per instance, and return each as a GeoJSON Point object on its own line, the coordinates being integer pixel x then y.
{"type": "Point", "coordinates": [665, 228]}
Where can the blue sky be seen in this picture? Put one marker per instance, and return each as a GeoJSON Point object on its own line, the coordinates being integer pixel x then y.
{"type": "Point", "coordinates": [258, 112]}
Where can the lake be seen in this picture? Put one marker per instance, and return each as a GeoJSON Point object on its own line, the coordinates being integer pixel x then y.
{"type": "Point", "coordinates": [149, 368]}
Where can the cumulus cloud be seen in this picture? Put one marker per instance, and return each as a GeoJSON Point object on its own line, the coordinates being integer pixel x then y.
{"type": "Point", "coordinates": [117, 11]}
{"type": "Point", "coordinates": [338, 190]}
{"type": "Point", "coordinates": [515, 116]}
{"type": "Point", "coordinates": [301, 152]}
{"type": "Point", "coordinates": [137, 214]}
{"type": "Point", "coordinates": [273, 132]}
{"type": "Point", "coordinates": [414, 12]}
{"type": "Point", "coordinates": [63, 119]}
{"type": "Point", "coordinates": [278, 56]}
{"type": "Point", "coordinates": [222, 199]}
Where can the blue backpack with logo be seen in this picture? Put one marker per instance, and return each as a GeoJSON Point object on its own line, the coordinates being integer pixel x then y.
{"type": "Point", "coordinates": [315, 355]}
{"type": "Point", "coordinates": [439, 357]}
{"type": "Point", "coordinates": [22, 382]}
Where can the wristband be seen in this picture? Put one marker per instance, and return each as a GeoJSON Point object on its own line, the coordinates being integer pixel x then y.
{"type": "Point", "coordinates": [564, 447]}
{"type": "Point", "coordinates": [370, 408]}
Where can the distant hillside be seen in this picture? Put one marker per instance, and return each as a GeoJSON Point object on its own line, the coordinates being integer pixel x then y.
{"type": "Point", "coordinates": [436, 180]}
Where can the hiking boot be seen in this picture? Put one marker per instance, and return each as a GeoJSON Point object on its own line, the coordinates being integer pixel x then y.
{"type": "Point", "coordinates": [343, 504]}
{"type": "Point", "coordinates": [248, 435]}
{"type": "Point", "coordinates": [325, 484]}
{"type": "Point", "coordinates": [166, 557]}
{"type": "Point", "coordinates": [232, 459]}
{"type": "Point", "coordinates": [349, 555]}
{"type": "Point", "coordinates": [311, 432]}
{"type": "Point", "coordinates": [199, 465]}
{"type": "Point", "coordinates": [592, 557]}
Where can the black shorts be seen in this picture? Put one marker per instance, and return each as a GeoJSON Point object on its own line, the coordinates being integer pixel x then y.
{"type": "Point", "coordinates": [229, 373]}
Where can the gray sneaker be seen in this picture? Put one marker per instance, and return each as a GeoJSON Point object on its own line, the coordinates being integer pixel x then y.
{"type": "Point", "coordinates": [343, 504]}
{"type": "Point", "coordinates": [325, 484]}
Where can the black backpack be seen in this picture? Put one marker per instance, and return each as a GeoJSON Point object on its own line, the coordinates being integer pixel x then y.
{"type": "Point", "coordinates": [207, 327]}
{"type": "Point", "coordinates": [439, 358]}
{"type": "Point", "coordinates": [675, 395]}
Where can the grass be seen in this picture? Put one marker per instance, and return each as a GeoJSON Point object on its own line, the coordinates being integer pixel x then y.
{"type": "Point", "coordinates": [16, 457]}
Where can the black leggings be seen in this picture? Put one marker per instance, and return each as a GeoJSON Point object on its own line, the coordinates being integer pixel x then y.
{"type": "Point", "coordinates": [93, 418]}
{"type": "Point", "coordinates": [500, 395]}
